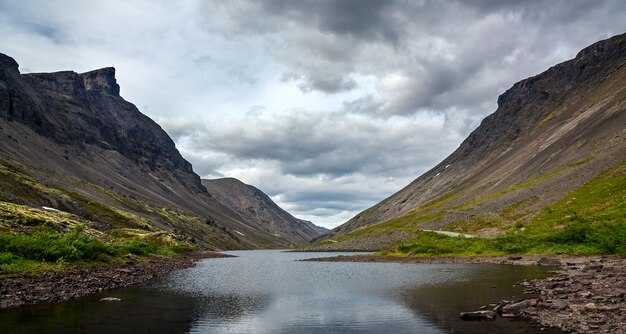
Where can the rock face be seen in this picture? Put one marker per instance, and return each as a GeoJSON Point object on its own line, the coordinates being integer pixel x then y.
{"type": "Point", "coordinates": [550, 134]}
{"type": "Point", "coordinates": [254, 205]}
{"type": "Point", "coordinates": [69, 141]}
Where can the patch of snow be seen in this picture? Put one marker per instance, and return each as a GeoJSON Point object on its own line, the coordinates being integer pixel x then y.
{"type": "Point", "coordinates": [239, 233]}
{"type": "Point", "coordinates": [47, 208]}
{"type": "Point", "coordinates": [446, 167]}
{"type": "Point", "coordinates": [436, 175]}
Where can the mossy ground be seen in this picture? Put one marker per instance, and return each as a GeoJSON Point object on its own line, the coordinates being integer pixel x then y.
{"type": "Point", "coordinates": [589, 220]}
{"type": "Point", "coordinates": [33, 238]}
{"type": "Point", "coordinates": [44, 247]}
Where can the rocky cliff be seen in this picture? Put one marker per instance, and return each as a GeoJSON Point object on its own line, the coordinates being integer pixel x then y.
{"type": "Point", "coordinates": [70, 141]}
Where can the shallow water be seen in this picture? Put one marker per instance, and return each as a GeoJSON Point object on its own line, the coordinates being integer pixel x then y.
{"type": "Point", "coordinates": [269, 292]}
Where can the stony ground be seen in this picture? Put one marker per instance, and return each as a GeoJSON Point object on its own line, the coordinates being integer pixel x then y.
{"type": "Point", "coordinates": [58, 286]}
{"type": "Point", "coordinates": [585, 294]}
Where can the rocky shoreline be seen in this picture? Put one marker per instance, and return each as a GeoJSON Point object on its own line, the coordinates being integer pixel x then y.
{"type": "Point", "coordinates": [584, 294]}
{"type": "Point", "coordinates": [57, 286]}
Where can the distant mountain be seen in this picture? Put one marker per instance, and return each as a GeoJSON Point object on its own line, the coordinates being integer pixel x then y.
{"type": "Point", "coordinates": [322, 229]}
{"type": "Point", "coordinates": [254, 205]}
{"type": "Point", "coordinates": [551, 134]}
{"type": "Point", "coordinates": [70, 141]}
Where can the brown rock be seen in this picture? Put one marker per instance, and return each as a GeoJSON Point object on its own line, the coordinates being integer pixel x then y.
{"type": "Point", "coordinates": [591, 308]}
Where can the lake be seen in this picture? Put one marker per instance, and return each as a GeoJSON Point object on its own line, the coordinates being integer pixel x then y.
{"type": "Point", "coordinates": [268, 291]}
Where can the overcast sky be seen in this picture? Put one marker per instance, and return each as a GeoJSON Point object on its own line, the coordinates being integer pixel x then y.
{"type": "Point", "coordinates": [327, 106]}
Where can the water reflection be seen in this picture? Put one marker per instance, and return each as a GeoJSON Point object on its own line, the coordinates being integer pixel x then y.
{"type": "Point", "coordinates": [139, 311]}
{"type": "Point", "coordinates": [441, 303]}
{"type": "Point", "coordinates": [268, 292]}
{"type": "Point", "coordinates": [230, 308]}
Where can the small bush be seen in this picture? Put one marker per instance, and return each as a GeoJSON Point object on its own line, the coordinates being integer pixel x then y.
{"type": "Point", "coordinates": [7, 258]}
{"type": "Point", "coordinates": [139, 247]}
{"type": "Point", "coordinates": [182, 247]}
{"type": "Point", "coordinates": [514, 243]}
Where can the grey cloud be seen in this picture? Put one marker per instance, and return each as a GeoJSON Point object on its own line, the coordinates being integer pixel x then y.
{"type": "Point", "coordinates": [337, 144]}
{"type": "Point", "coordinates": [363, 19]}
{"type": "Point", "coordinates": [328, 83]}
{"type": "Point", "coordinates": [444, 48]}
{"type": "Point", "coordinates": [243, 75]}
{"type": "Point", "coordinates": [367, 104]}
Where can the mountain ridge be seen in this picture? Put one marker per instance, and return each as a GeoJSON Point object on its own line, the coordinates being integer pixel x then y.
{"type": "Point", "coordinates": [569, 114]}
{"type": "Point", "coordinates": [254, 204]}
{"type": "Point", "coordinates": [71, 142]}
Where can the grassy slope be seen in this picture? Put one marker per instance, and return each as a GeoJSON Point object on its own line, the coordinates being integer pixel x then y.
{"type": "Point", "coordinates": [19, 187]}
{"type": "Point", "coordinates": [34, 239]}
{"type": "Point", "coordinates": [85, 232]}
{"type": "Point", "coordinates": [589, 220]}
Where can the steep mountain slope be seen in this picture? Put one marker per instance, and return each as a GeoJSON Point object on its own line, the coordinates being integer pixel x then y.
{"type": "Point", "coordinates": [69, 141]}
{"type": "Point", "coordinates": [254, 205]}
{"type": "Point", "coordinates": [551, 134]}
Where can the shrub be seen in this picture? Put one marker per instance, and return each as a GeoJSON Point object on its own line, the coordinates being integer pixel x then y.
{"type": "Point", "coordinates": [605, 238]}
{"type": "Point", "coordinates": [50, 246]}
{"type": "Point", "coordinates": [139, 247]}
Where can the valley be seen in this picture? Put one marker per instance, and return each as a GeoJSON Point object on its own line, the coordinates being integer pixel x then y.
{"type": "Point", "coordinates": [105, 225]}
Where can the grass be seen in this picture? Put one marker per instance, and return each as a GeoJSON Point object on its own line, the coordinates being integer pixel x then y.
{"type": "Point", "coordinates": [44, 247]}
{"type": "Point", "coordinates": [590, 220]}
{"type": "Point", "coordinates": [436, 209]}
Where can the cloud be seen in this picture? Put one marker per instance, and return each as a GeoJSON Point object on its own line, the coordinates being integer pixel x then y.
{"type": "Point", "coordinates": [331, 143]}
{"type": "Point", "coordinates": [443, 54]}
{"type": "Point", "coordinates": [319, 166]}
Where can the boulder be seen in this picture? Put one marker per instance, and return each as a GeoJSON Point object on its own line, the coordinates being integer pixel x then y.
{"type": "Point", "coordinates": [515, 308]}
{"type": "Point", "coordinates": [591, 308]}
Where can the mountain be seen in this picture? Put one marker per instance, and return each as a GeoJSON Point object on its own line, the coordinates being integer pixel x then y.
{"type": "Point", "coordinates": [551, 135]}
{"type": "Point", "coordinates": [254, 205]}
{"type": "Point", "coordinates": [70, 142]}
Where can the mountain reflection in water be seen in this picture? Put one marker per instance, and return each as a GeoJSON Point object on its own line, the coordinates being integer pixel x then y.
{"type": "Point", "coordinates": [270, 292]}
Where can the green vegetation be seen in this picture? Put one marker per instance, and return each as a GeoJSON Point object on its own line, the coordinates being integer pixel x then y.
{"type": "Point", "coordinates": [590, 220]}
{"type": "Point", "coordinates": [435, 210]}
{"type": "Point", "coordinates": [34, 239]}
{"type": "Point", "coordinates": [47, 248]}
{"type": "Point", "coordinates": [47, 245]}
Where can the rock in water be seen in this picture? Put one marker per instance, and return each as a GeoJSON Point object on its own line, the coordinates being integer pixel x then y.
{"type": "Point", "coordinates": [478, 315]}
{"type": "Point", "coordinates": [546, 261]}
{"type": "Point", "coordinates": [515, 308]}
